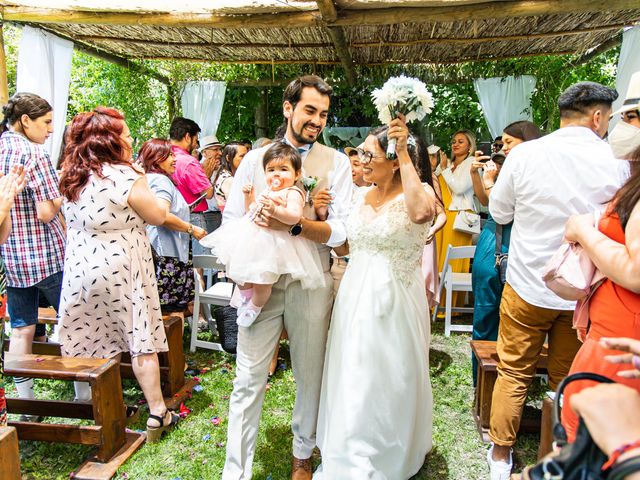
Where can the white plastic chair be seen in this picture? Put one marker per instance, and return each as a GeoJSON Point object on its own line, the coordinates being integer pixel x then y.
{"type": "Point", "coordinates": [454, 282]}
{"type": "Point", "coordinates": [217, 294]}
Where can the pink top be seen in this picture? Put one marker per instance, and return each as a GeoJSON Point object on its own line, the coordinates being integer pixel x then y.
{"type": "Point", "coordinates": [190, 178]}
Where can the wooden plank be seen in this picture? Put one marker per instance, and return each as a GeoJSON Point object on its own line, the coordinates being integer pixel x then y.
{"type": "Point", "coordinates": [181, 395]}
{"type": "Point", "coordinates": [173, 19]}
{"type": "Point", "coordinates": [50, 408]}
{"type": "Point", "coordinates": [393, 14]}
{"type": "Point", "coordinates": [56, 432]}
{"type": "Point", "coordinates": [9, 455]}
{"type": "Point", "coordinates": [109, 413]}
{"type": "Point", "coordinates": [93, 469]}
{"type": "Point", "coordinates": [40, 348]}
{"type": "Point", "coordinates": [57, 368]}
{"type": "Point", "coordinates": [174, 359]}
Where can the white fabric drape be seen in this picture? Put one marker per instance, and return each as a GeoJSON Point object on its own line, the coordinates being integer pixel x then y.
{"type": "Point", "coordinates": [628, 64]}
{"type": "Point", "coordinates": [202, 102]}
{"type": "Point", "coordinates": [44, 68]}
{"type": "Point", "coordinates": [505, 100]}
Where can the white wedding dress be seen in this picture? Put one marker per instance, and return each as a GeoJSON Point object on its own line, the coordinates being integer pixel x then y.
{"type": "Point", "coordinates": [375, 417]}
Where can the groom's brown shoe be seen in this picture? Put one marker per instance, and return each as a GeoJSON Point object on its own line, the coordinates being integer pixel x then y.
{"type": "Point", "coordinates": [301, 469]}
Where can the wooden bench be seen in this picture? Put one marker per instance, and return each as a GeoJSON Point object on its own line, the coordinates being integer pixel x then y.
{"type": "Point", "coordinates": [114, 444]}
{"type": "Point", "coordinates": [174, 386]}
{"type": "Point", "coordinates": [487, 357]}
{"type": "Point", "coordinates": [9, 456]}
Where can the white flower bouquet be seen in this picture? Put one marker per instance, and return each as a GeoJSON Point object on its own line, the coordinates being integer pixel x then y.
{"type": "Point", "coordinates": [406, 95]}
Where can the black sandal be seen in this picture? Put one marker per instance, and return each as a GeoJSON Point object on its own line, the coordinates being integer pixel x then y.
{"type": "Point", "coordinates": [154, 433]}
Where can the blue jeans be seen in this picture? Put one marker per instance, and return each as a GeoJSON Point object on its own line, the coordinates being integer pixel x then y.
{"type": "Point", "coordinates": [23, 303]}
{"type": "Point", "coordinates": [198, 220]}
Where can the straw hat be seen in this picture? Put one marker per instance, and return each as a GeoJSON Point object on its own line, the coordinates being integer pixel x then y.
{"type": "Point", "coordinates": [632, 100]}
{"type": "Point", "coordinates": [348, 150]}
{"type": "Point", "coordinates": [208, 142]}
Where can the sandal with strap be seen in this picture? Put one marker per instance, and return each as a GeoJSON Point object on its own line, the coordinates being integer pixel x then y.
{"type": "Point", "coordinates": [154, 433]}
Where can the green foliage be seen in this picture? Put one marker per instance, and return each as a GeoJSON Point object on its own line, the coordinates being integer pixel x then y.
{"type": "Point", "coordinates": [142, 99]}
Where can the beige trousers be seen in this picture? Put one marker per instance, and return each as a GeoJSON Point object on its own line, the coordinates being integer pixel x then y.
{"type": "Point", "coordinates": [305, 314]}
{"type": "Point", "coordinates": [521, 335]}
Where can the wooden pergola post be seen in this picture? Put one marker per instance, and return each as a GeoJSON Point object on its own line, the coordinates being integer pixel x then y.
{"type": "Point", "coordinates": [4, 85]}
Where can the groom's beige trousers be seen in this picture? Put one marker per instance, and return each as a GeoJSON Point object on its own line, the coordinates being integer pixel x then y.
{"type": "Point", "coordinates": [305, 314]}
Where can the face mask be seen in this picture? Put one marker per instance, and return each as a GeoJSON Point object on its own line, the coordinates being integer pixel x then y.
{"type": "Point", "coordinates": [624, 139]}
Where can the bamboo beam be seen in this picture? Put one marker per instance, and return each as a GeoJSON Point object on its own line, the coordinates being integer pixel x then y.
{"type": "Point", "coordinates": [372, 64]}
{"type": "Point", "coordinates": [603, 47]}
{"type": "Point", "coordinates": [382, 43]}
{"type": "Point", "coordinates": [174, 19]}
{"type": "Point", "coordinates": [302, 19]}
{"type": "Point", "coordinates": [329, 15]}
{"type": "Point", "coordinates": [481, 11]}
{"type": "Point", "coordinates": [4, 85]}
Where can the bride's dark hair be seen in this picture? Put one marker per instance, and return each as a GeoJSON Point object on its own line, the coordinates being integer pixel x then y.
{"type": "Point", "coordinates": [417, 153]}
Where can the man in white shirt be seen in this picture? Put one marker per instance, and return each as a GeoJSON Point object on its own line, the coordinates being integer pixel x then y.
{"type": "Point", "coordinates": [304, 313]}
{"type": "Point", "coordinates": [543, 182]}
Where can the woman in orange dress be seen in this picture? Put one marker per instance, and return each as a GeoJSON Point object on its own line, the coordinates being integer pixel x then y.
{"type": "Point", "coordinates": [614, 309]}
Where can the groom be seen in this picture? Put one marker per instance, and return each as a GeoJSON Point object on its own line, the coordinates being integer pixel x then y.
{"type": "Point", "coordinates": [304, 313]}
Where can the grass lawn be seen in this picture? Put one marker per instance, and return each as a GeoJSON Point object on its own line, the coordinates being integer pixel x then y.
{"type": "Point", "coordinates": [196, 448]}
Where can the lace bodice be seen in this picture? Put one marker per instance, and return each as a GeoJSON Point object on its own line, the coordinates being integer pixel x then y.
{"type": "Point", "coordinates": [389, 233]}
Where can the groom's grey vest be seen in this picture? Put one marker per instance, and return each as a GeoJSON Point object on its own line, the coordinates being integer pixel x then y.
{"type": "Point", "coordinates": [318, 163]}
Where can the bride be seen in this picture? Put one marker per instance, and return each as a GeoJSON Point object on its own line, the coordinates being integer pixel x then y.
{"type": "Point", "coordinates": [376, 404]}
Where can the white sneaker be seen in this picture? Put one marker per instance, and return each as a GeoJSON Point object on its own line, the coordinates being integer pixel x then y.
{"type": "Point", "coordinates": [246, 317]}
{"type": "Point", "coordinates": [499, 470]}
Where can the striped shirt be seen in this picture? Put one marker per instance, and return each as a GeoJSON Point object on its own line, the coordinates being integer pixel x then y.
{"type": "Point", "coordinates": [34, 250]}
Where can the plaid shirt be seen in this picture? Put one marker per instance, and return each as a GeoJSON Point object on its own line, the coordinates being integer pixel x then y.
{"type": "Point", "coordinates": [34, 250]}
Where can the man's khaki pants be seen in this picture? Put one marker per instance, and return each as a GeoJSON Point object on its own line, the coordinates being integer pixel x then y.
{"type": "Point", "coordinates": [305, 314]}
{"type": "Point", "coordinates": [521, 335]}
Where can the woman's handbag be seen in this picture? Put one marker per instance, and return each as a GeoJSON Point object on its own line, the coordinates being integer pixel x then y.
{"type": "Point", "coordinates": [227, 327]}
{"type": "Point", "coordinates": [501, 258]}
{"type": "Point", "coordinates": [467, 222]}
{"type": "Point", "coordinates": [580, 460]}
{"type": "Point", "coordinates": [570, 273]}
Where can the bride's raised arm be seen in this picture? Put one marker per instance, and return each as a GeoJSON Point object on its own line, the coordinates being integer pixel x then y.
{"type": "Point", "coordinates": [419, 200]}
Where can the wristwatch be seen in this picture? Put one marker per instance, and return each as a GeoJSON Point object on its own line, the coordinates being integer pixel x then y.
{"type": "Point", "coordinates": [296, 229]}
{"type": "Point", "coordinates": [190, 229]}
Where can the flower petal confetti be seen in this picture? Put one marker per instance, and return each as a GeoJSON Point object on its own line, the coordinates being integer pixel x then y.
{"type": "Point", "coordinates": [198, 388]}
{"type": "Point", "coordinates": [216, 420]}
{"type": "Point", "coordinates": [206, 437]}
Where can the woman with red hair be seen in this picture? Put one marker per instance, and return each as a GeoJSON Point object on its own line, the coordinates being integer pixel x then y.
{"type": "Point", "coordinates": [169, 241]}
{"type": "Point", "coordinates": [109, 302]}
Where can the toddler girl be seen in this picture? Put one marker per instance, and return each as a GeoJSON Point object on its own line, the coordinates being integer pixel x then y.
{"type": "Point", "coordinates": [255, 256]}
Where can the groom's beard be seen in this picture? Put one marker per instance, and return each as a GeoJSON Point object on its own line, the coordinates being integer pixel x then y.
{"type": "Point", "coordinates": [299, 136]}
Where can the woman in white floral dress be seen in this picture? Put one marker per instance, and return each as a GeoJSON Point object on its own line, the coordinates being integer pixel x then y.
{"type": "Point", "coordinates": [376, 403]}
{"type": "Point", "coordinates": [109, 302]}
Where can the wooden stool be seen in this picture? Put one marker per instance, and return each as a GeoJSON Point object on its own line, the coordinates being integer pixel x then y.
{"type": "Point", "coordinates": [9, 456]}
{"type": "Point", "coordinates": [114, 445]}
{"type": "Point", "coordinates": [546, 428]}
{"type": "Point", "coordinates": [487, 357]}
{"type": "Point", "coordinates": [174, 387]}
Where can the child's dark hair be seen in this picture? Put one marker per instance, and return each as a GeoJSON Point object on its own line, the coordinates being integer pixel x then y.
{"type": "Point", "coordinates": [282, 151]}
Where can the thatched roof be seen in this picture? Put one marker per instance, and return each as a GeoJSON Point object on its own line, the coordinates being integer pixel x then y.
{"type": "Point", "coordinates": [347, 32]}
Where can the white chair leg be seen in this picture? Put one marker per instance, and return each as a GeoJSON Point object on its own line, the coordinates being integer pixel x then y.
{"type": "Point", "coordinates": [194, 317]}
{"type": "Point", "coordinates": [447, 312]}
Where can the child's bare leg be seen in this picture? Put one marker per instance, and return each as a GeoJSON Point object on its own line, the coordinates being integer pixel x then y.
{"type": "Point", "coordinates": [261, 294]}
{"type": "Point", "coordinates": [241, 296]}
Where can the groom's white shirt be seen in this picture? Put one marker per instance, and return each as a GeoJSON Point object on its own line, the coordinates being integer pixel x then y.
{"type": "Point", "coordinates": [340, 182]}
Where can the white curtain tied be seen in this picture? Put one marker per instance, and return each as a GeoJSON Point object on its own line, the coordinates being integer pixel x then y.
{"type": "Point", "coordinates": [44, 68]}
{"type": "Point", "coordinates": [505, 100]}
{"type": "Point", "coordinates": [628, 64]}
{"type": "Point", "coordinates": [202, 102]}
